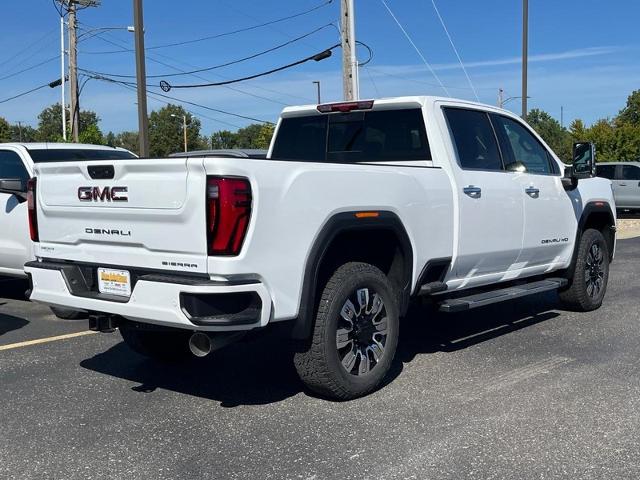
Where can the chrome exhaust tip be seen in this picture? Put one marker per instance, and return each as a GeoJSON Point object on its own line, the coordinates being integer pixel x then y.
{"type": "Point", "coordinates": [200, 344]}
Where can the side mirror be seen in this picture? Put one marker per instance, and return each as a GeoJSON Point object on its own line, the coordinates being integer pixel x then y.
{"type": "Point", "coordinates": [13, 186]}
{"type": "Point", "coordinates": [569, 181]}
{"type": "Point", "coordinates": [584, 160]}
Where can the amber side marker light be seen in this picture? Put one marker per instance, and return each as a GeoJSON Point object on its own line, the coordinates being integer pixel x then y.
{"type": "Point", "coordinates": [367, 214]}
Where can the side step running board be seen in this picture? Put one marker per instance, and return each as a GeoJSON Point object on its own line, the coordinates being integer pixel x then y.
{"type": "Point", "coordinates": [496, 296]}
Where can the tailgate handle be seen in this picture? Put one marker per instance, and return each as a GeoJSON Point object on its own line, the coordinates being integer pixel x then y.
{"type": "Point", "coordinates": [101, 172]}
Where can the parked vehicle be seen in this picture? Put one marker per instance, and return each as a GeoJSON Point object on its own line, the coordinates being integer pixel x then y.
{"type": "Point", "coordinates": [625, 178]}
{"type": "Point", "coordinates": [17, 164]}
{"type": "Point", "coordinates": [359, 208]}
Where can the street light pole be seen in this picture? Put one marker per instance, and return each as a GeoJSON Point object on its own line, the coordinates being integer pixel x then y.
{"type": "Point", "coordinates": [525, 54]}
{"type": "Point", "coordinates": [141, 79]}
{"type": "Point", "coordinates": [184, 129]}
{"type": "Point", "coordinates": [63, 102]}
{"type": "Point", "coordinates": [317, 84]}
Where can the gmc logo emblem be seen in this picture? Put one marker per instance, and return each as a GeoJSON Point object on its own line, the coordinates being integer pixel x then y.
{"type": "Point", "coordinates": [106, 194]}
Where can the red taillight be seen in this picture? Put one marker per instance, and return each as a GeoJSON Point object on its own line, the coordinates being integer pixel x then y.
{"type": "Point", "coordinates": [345, 106]}
{"type": "Point", "coordinates": [228, 212]}
{"type": "Point", "coordinates": [32, 208]}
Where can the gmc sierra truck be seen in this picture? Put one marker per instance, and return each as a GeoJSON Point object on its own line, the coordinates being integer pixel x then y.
{"type": "Point", "coordinates": [17, 163]}
{"type": "Point", "coordinates": [358, 208]}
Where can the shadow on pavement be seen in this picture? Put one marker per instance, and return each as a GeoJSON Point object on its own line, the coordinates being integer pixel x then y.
{"type": "Point", "coordinates": [9, 323]}
{"type": "Point", "coordinates": [261, 371]}
{"type": "Point", "coordinates": [13, 288]}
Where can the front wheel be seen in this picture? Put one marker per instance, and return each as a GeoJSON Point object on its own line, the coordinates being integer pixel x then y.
{"type": "Point", "coordinates": [355, 334]}
{"type": "Point", "coordinates": [591, 274]}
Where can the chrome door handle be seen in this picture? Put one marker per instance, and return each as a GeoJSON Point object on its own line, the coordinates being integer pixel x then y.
{"type": "Point", "coordinates": [532, 192]}
{"type": "Point", "coordinates": [622, 184]}
{"type": "Point", "coordinates": [472, 191]}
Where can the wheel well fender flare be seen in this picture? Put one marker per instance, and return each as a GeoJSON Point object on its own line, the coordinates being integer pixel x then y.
{"type": "Point", "coordinates": [338, 224]}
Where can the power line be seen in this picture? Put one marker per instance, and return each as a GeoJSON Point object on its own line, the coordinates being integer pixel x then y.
{"type": "Point", "coordinates": [24, 93]}
{"type": "Point", "coordinates": [233, 62]}
{"type": "Point", "coordinates": [129, 85]}
{"type": "Point", "coordinates": [241, 30]}
{"type": "Point", "coordinates": [28, 47]}
{"type": "Point", "coordinates": [48, 60]}
{"type": "Point", "coordinates": [199, 114]}
{"type": "Point", "coordinates": [317, 57]}
{"type": "Point", "coordinates": [421, 82]}
{"type": "Point", "coordinates": [235, 89]}
{"type": "Point", "coordinates": [433, 2]}
{"type": "Point", "coordinates": [415, 47]}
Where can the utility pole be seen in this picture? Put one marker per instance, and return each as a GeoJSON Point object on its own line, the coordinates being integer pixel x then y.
{"type": "Point", "coordinates": [73, 72]}
{"type": "Point", "coordinates": [184, 129]}
{"type": "Point", "coordinates": [349, 60]}
{"type": "Point", "coordinates": [525, 54]}
{"type": "Point", "coordinates": [20, 129]}
{"type": "Point", "coordinates": [562, 116]}
{"type": "Point", "coordinates": [141, 79]}
{"type": "Point", "coordinates": [317, 84]}
{"type": "Point", "coordinates": [63, 100]}
{"type": "Point", "coordinates": [500, 97]}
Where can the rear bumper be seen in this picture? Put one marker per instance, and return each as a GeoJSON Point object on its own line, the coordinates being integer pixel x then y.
{"type": "Point", "coordinates": [178, 301]}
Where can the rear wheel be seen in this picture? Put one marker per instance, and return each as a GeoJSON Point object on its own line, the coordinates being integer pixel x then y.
{"type": "Point", "coordinates": [68, 314]}
{"type": "Point", "coordinates": [355, 334]}
{"type": "Point", "coordinates": [591, 274]}
{"type": "Point", "coordinates": [160, 345]}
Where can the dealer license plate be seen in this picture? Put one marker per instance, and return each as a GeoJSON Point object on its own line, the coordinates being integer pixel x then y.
{"type": "Point", "coordinates": [114, 282]}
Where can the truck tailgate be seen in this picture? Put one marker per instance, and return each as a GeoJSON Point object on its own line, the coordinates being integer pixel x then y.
{"type": "Point", "coordinates": [148, 214]}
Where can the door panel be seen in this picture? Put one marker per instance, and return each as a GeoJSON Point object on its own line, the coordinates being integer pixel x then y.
{"type": "Point", "coordinates": [549, 219]}
{"type": "Point", "coordinates": [491, 209]}
{"type": "Point", "coordinates": [626, 186]}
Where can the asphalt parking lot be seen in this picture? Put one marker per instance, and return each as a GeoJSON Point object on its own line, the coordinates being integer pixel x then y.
{"type": "Point", "coordinates": [519, 390]}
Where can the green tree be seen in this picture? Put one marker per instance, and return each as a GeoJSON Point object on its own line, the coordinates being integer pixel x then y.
{"type": "Point", "coordinates": [128, 140]}
{"type": "Point", "coordinates": [50, 122]}
{"type": "Point", "coordinates": [5, 130]}
{"type": "Point", "coordinates": [249, 136]}
{"type": "Point", "coordinates": [265, 135]}
{"type": "Point", "coordinates": [631, 112]}
{"type": "Point", "coordinates": [223, 139]}
{"type": "Point", "coordinates": [91, 134]}
{"type": "Point", "coordinates": [603, 134]}
{"type": "Point", "coordinates": [23, 133]}
{"type": "Point", "coordinates": [165, 131]}
{"type": "Point", "coordinates": [110, 139]}
{"type": "Point", "coordinates": [552, 132]}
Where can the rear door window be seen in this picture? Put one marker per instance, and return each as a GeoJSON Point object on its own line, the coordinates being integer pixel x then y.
{"type": "Point", "coordinates": [474, 139]}
{"type": "Point", "coordinates": [361, 136]}
{"type": "Point", "coordinates": [606, 171]}
{"type": "Point", "coordinates": [630, 172]}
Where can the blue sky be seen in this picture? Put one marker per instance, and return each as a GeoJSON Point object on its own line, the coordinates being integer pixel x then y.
{"type": "Point", "coordinates": [584, 54]}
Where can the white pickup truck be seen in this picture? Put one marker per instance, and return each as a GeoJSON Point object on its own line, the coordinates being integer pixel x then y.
{"type": "Point", "coordinates": [17, 166]}
{"type": "Point", "coordinates": [358, 208]}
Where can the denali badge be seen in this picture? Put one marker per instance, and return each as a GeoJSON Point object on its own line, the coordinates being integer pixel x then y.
{"type": "Point", "coordinates": [108, 194]}
{"type": "Point", "coordinates": [106, 231]}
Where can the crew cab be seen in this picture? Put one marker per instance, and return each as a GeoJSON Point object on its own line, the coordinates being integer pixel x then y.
{"type": "Point", "coordinates": [358, 209]}
{"type": "Point", "coordinates": [17, 166]}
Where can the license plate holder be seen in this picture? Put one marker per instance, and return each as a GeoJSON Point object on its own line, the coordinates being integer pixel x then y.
{"type": "Point", "coordinates": [114, 282]}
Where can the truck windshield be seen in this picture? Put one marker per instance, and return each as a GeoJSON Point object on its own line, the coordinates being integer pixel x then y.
{"type": "Point", "coordinates": [71, 154]}
{"type": "Point", "coordinates": [369, 136]}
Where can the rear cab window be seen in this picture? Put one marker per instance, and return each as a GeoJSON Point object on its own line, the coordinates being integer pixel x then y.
{"type": "Point", "coordinates": [353, 137]}
{"type": "Point", "coordinates": [73, 154]}
{"type": "Point", "coordinates": [474, 139]}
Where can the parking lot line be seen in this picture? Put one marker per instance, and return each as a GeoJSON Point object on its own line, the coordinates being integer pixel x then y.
{"type": "Point", "coordinates": [45, 340]}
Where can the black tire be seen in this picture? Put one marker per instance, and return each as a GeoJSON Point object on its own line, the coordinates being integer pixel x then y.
{"type": "Point", "coordinates": [68, 314]}
{"type": "Point", "coordinates": [160, 345]}
{"type": "Point", "coordinates": [591, 274]}
{"type": "Point", "coordinates": [322, 364]}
